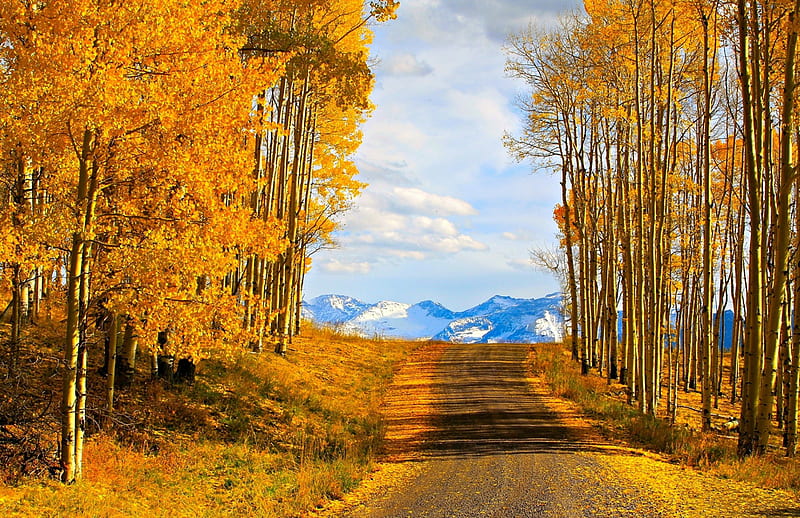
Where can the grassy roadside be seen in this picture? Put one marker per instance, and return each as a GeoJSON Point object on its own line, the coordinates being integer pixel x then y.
{"type": "Point", "coordinates": [604, 404]}
{"type": "Point", "coordinates": [258, 435]}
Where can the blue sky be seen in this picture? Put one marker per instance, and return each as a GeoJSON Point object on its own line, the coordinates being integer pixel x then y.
{"type": "Point", "coordinates": [447, 215]}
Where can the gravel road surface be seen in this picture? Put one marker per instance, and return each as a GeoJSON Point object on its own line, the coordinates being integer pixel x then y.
{"type": "Point", "coordinates": [485, 442]}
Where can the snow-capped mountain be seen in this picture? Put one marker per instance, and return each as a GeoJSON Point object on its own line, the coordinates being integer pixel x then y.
{"type": "Point", "coordinates": [337, 308]}
{"type": "Point", "coordinates": [499, 319]}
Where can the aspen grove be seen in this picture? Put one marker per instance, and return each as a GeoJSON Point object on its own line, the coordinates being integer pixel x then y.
{"type": "Point", "coordinates": [167, 168]}
{"type": "Point", "coordinates": [673, 127]}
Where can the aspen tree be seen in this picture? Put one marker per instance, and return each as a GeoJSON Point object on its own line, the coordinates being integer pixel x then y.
{"type": "Point", "coordinates": [786, 179]}
{"type": "Point", "coordinates": [748, 24]}
{"type": "Point", "coordinates": [794, 353]}
{"type": "Point", "coordinates": [327, 68]}
{"type": "Point", "coordinates": [709, 52]}
{"type": "Point", "coordinates": [533, 57]}
{"type": "Point", "coordinates": [648, 72]}
{"type": "Point", "coordinates": [125, 113]}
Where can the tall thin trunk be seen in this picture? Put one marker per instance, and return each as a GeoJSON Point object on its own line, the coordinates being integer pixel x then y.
{"type": "Point", "coordinates": [708, 201]}
{"type": "Point", "coordinates": [113, 336]}
{"type": "Point", "coordinates": [777, 299]}
{"type": "Point", "coordinates": [69, 389]}
{"type": "Point", "coordinates": [748, 439]}
{"type": "Point", "coordinates": [794, 351]}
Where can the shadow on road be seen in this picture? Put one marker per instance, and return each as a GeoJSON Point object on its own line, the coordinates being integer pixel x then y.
{"type": "Point", "coordinates": [482, 404]}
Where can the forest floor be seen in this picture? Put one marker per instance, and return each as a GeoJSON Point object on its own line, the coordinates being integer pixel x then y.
{"type": "Point", "coordinates": [604, 403]}
{"type": "Point", "coordinates": [475, 430]}
{"type": "Point", "coordinates": [698, 474]}
{"type": "Point", "coordinates": [254, 435]}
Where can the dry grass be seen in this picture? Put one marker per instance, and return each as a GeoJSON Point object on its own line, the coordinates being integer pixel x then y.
{"type": "Point", "coordinates": [260, 435]}
{"type": "Point", "coordinates": [605, 404]}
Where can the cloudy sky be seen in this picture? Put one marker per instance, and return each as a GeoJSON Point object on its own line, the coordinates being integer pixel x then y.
{"type": "Point", "coordinates": [448, 215]}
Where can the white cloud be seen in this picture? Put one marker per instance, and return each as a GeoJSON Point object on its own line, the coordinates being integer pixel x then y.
{"type": "Point", "coordinates": [408, 254]}
{"type": "Point", "coordinates": [439, 226]}
{"type": "Point", "coordinates": [417, 201]}
{"type": "Point", "coordinates": [406, 64]}
{"type": "Point", "coordinates": [385, 172]}
{"type": "Point", "coordinates": [373, 219]}
{"type": "Point", "coordinates": [415, 241]}
{"type": "Point", "coordinates": [335, 266]}
{"type": "Point", "coordinates": [520, 264]}
{"type": "Point", "coordinates": [452, 244]}
{"type": "Point", "coordinates": [516, 236]}
{"type": "Point", "coordinates": [407, 223]}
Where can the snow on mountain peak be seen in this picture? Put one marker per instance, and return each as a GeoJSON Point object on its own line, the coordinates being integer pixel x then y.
{"type": "Point", "coordinates": [383, 309]}
{"type": "Point", "coordinates": [499, 319]}
{"type": "Point", "coordinates": [503, 300]}
{"type": "Point", "coordinates": [333, 309]}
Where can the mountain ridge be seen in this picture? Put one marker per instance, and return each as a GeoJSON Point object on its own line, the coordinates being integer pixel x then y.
{"type": "Point", "coordinates": [498, 319]}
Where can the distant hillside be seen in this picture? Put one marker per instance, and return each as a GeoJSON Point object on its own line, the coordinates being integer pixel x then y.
{"type": "Point", "coordinates": [499, 319]}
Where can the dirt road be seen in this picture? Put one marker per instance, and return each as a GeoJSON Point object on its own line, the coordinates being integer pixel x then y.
{"type": "Point", "coordinates": [487, 444]}
{"type": "Point", "coordinates": [470, 435]}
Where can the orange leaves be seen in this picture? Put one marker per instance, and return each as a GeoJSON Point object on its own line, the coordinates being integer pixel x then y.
{"type": "Point", "coordinates": [175, 95]}
{"type": "Point", "coordinates": [160, 86]}
{"type": "Point", "coordinates": [182, 157]}
{"type": "Point", "coordinates": [384, 10]}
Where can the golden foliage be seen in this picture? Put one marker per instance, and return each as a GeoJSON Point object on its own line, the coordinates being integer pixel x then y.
{"type": "Point", "coordinates": [190, 153]}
